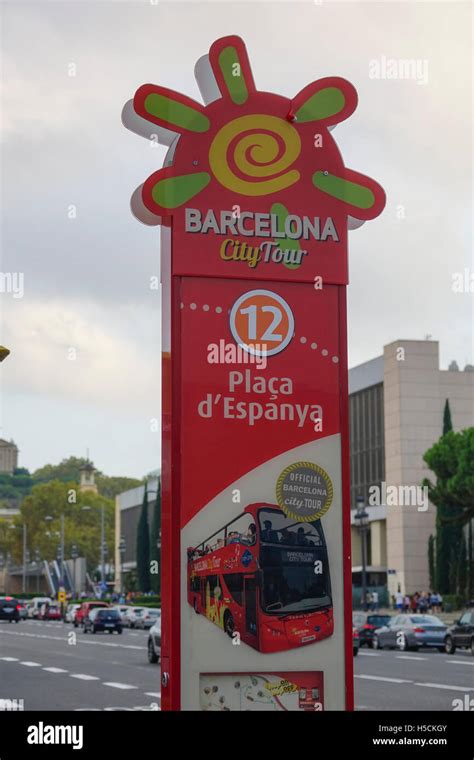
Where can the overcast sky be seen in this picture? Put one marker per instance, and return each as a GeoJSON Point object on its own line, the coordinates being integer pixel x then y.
{"type": "Point", "coordinates": [86, 280]}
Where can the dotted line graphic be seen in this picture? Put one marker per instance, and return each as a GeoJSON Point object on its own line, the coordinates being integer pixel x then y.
{"type": "Point", "coordinates": [303, 340]}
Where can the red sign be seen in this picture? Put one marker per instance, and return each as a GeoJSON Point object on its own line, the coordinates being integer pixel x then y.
{"type": "Point", "coordinates": [255, 203]}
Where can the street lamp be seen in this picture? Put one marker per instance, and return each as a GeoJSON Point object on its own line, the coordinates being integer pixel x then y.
{"type": "Point", "coordinates": [38, 565]}
{"type": "Point", "coordinates": [49, 518]}
{"type": "Point", "coordinates": [122, 548]}
{"type": "Point", "coordinates": [103, 548]}
{"type": "Point", "coordinates": [362, 517]}
{"type": "Point", "coordinates": [23, 582]}
{"type": "Point", "coordinates": [74, 556]}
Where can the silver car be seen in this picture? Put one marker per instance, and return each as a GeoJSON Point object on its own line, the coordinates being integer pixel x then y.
{"type": "Point", "coordinates": [148, 618]}
{"type": "Point", "coordinates": [405, 632]}
{"type": "Point", "coordinates": [154, 642]}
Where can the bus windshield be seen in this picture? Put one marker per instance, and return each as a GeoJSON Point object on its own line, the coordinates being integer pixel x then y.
{"type": "Point", "coordinates": [294, 588]}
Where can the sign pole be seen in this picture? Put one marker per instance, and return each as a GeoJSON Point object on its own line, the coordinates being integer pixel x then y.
{"type": "Point", "coordinates": [255, 204]}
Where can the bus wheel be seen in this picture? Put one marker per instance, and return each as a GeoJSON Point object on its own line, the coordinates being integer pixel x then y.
{"type": "Point", "coordinates": [195, 605]}
{"type": "Point", "coordinates": [229, 625]}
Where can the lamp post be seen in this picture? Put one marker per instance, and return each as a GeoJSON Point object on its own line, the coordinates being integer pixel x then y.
{"type": "Point", "coordinates": [38, 565]}
{"type": "Point", "coordinates": [74, 556]}
{"type": "Point", "coordinates": [122, 548]}
{"type": "Point", "coordinates": [362, 517]}
{"type": "Point", "coordinates": [60, 554]}
{"type": "Point", "coordinates": [87, 508]}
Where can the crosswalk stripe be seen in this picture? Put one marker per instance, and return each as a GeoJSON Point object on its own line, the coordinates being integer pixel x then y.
{"type": "Point", "coordinates": [445, 686]}
{"type": "Point", "coordinates": [55, 670]}
{"type": "Point", "coordinates": [31, 664]}
{"type": "Point", "coordinates": [119, 685]}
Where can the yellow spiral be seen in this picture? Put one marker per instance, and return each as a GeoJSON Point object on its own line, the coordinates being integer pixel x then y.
{"type": "Point", "coordinates": [257, 154]}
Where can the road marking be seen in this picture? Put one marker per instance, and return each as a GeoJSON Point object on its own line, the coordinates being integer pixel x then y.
{"type": "Point", "coordinates": [9, 659]}
{"type": "Point", "coordinates": [119, 685]}
{"type": "Point", "coordinates": [445, 686]}
{"type": "Point", "coordinates": [64, 638]}
{"type": "Point", "coordinates": [368, 654]}
{"type": "Point", "coordinates": [55, 670]}
{"type": "Point", "coordinates": [460, 662]}
{"type": "Point", "coordinates": [409, 657]}
{"type": "Point", "coordinates": [383, 678]}
{"type": "Point", "coordinates": [31, 664]}
{"type": "Point", "coordinates": [83, 677]}
{"type": "Point", "coordinates": [153, 694]}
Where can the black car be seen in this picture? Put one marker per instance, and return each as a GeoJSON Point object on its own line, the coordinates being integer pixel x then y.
{"type": "Point", "coordinates": [366, 623]}
{"type": "Point", "coordinates": [461, 634]}
{"type": "Point", "coordinates": [9, 609]}
{"type": "Point", "coordinates": [102, 619]}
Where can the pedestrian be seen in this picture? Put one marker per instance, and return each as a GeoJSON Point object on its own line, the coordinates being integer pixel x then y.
{"type": "Point", "coordinates": [399, 601]}
{"type": "Point", "coordinates": [406, 603]}
{"type": "Point", "coordinates": [375, 601]}
{"type": "Point", "coordinates": [414, 602]}
{"type": "Point", "coordinates": [368, 600]}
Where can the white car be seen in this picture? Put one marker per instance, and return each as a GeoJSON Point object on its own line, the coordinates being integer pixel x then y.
{"type": "Point", "coordinates": [36, 604]}
{"type": "Point", "coordinates": [131, 616]}
{"type": "Point", "coordinates": [70, 613]}
{"type": "Point", "coordinates": [154, 642]}
{"type": "Point", "coordinates": [148, 618]}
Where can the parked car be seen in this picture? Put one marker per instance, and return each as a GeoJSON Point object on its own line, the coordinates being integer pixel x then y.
{"type": "Point", "coordinates": [9, 609]}
{"type": "Point", "coordinates": [132, 615]}
{"type": "Point", "coordinates": [100, 619]}
{"type": "Point", "coordinates": [37, 603]}
{"type": "Point", "coordinates": [355, 642]}
{"type": "Point", "coordinates": [84, 609]}
{"type": "Point", "coordinates": [23, 610]}
{"type": "Point", "coordinates": [122, 609]}
{"type": "Point", "coordinates": [461, 634]}
{"type": "Point", "coordinates": [366, 623]}
{"type": "Point", "coordinates": [50, 611]}
{"type": "Point", "coordinates": [154, 642]}
{"type": "Point", "coordinates": [407, 632]}
{"type": "Point", "coordinates": [148, 618]}
{"type": "Point", "coordinates": [71, 612]}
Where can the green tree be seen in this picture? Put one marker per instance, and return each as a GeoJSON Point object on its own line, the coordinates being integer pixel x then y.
{"type": "Point", "coordinates": [447, 423]}
{"type": "Point", "coordinates": [155, 539]}
{"type": "Point", "coordinates": [452, 461]}
{"type": "Point", "coordinates": [143, 547]}
{"type": "Point", "coordinates": [70, 470]}
{"type": "Point", "coordinates": [81, 527]}
{"type": "Point", "coordinates": [431, 561]}
{"type": "Point", "coordinates": [462, 569]}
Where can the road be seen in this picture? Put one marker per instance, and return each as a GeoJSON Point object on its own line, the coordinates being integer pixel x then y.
{"type": "Point", "coordinates": [53, 666]}
{"type": "Point", "coordinates": [423, 680]}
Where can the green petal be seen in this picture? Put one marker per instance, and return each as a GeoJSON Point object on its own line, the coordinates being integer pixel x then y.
{"type": "Point", "coordinates": [174, 191]}
{"type": "Point", "coordinates": [321, 105]}
{"type": "Point", "coordinates": [236, 86]}
{"type": "Point", "coordinates": [176, 113]}
{"type": "Point", "coordinates": [281, 213]}
{"type": "Point", "coordinates": [344, 190]}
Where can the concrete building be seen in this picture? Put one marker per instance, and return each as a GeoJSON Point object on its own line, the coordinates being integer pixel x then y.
{"type": "Point", "coordinates": [128, 507]}
{"type": "Point", "coordinates": [396, 414]}
{"type": "Point", "coordinates": [8, 456]}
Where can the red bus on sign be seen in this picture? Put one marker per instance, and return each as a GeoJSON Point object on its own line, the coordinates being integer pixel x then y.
{"type": "Point", "coordinates": [266, 578]}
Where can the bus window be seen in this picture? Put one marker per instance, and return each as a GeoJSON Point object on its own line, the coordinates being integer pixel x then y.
{"type": "Point", "coordinates": [235, 584]}
{"type": "Point", "coordinates": [277, 528]}
{"type": "Point", "coordinates": [242, 531]}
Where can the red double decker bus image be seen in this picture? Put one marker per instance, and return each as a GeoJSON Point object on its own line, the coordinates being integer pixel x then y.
{"type": "Point", "coordinates": [265, 577]}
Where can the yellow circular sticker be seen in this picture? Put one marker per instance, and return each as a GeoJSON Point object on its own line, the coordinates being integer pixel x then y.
{"type": "Point", "coordinates": [304, 491]}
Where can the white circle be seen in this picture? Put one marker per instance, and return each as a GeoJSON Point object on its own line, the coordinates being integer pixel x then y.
{"type": "Point", "coordinates": [324, 352]}
{"type": "Point", "coordinates": [182, 305]}
{"type": "Point", "coordinates": [283, 304]}
{"type": "Point", "coordinates": [303, 340]}
{"type": "Point", "coordinates": [218, 309]}
{"type": "Point", "coordinates": [314, 345]}
{"type": "Point", "coordinates": [335, 359]}
{"type": "Point", "coordinates": [192, 306]}
{"type": "Point", "coordinates": [205, 307]}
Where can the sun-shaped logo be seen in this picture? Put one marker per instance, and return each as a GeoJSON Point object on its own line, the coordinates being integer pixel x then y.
{"type": "Point", "coordinates": [247, 144]}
